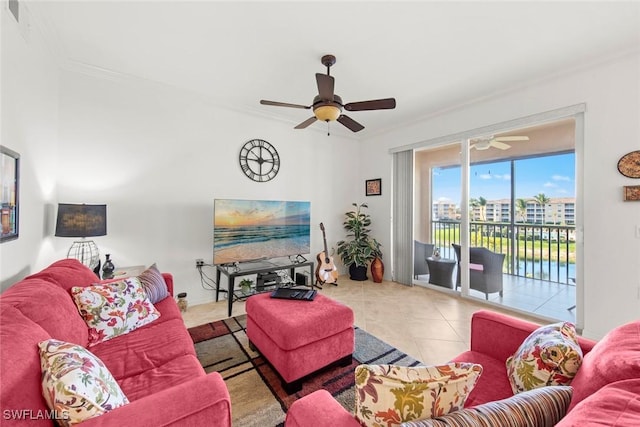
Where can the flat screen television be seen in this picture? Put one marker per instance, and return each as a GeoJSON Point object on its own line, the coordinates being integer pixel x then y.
{"type": "Point", "coordinates": [250, 230]}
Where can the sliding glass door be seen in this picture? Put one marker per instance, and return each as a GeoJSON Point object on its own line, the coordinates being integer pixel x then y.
{"type": "Point", "coordinates": [513, 198]}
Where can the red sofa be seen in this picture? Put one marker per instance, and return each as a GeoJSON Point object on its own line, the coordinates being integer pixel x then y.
{"type": "Point", "coordinates": [606, 390]}
{"type": "Point", "coordinates": [155, 365]}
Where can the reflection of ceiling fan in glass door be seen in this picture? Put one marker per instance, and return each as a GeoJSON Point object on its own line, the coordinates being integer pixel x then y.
{"type": "Point", "coordinates": [498, 142]}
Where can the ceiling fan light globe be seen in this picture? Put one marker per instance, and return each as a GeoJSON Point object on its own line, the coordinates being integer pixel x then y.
{"type": "Point", "coordinates": [327, 113]}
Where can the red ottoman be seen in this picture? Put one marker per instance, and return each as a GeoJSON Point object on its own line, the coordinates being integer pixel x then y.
{"type": "Point", "coordinates": [300, 337]}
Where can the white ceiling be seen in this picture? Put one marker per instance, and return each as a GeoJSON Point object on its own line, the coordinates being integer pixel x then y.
{"type": "Point", "coordinates": [429, 55]}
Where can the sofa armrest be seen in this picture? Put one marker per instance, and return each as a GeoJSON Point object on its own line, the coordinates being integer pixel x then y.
{"type": "Point", "coordinates": [168, 278]}
{"type": "Point", "coordinates": [499, 335]}
{"type": "Point", "coordinates": [201, 401]}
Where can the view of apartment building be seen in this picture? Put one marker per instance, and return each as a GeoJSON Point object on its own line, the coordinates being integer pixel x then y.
{"type": "Point", "coordinates": [559, 211]}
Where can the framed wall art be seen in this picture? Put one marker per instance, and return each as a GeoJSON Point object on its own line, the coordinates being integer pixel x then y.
{"type": "Point", "coordinates": [9, 193]}
{"type": "Point", "coordinates": [373, 187]}
{"type": "Point", "coordinates": [632, 193]}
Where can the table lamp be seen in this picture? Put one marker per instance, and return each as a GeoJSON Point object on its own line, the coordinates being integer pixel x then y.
{"type": "Point", "coordinates": [82, 221]}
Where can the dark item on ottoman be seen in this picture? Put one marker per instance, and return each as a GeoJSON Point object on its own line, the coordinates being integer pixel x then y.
{"type": "Point", "coordinates": [294, 293]}
{"type": "Point", "coordinates": [299, 338]}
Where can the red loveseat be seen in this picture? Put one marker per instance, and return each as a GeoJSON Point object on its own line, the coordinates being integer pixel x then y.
{"type": "Point", "coordinates": [606, 390]}
{"type": "Point", "coordinates": [155, 365]}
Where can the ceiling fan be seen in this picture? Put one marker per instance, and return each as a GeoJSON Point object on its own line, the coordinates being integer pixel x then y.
{"type": "Point", "coordinates": [327, 106]}
{"type": "Point", "coordinates": [496, 142]}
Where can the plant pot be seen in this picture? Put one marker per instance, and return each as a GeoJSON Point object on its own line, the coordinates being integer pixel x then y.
{"type": "Point", "coordinates": [377, 270]}
{"type": "Point", "coordinates": [358, 273]}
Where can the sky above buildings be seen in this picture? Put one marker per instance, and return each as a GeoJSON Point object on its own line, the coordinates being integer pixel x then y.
{"type": "Point", "coordinates": [552, 175]}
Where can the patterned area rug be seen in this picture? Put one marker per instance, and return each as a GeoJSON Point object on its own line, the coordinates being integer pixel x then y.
{"type": "Point", "coordinates": [257, 397]}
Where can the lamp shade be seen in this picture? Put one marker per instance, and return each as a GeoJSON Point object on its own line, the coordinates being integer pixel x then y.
{"type": "Point", "coordinates": [81, 220]}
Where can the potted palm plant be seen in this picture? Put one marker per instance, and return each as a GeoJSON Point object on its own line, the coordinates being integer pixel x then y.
{"type": "Point", "coordinates": [361, 249]}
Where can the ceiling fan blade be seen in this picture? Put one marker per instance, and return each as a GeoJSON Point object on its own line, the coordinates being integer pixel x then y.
{"type": "Point", "coordinates": [306, 123]}
{"type": "Point", "coordinates": [325, 86]}
{"type": "Point", "coordinates": [283, 104]}
{"type": "Point", "coordinates": [500, 145]}
{"type": "Point", "coordinates": [511, 138]}
{"type": "Point", "coordinates": [374, 104]}
{"type": "Point", "coordinates": [350, 123]}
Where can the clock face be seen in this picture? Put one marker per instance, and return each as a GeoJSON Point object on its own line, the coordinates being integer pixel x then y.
{"type": "Point", "coordinates": [259, 160]}
{"type": "Point", "coordinates": [629, 164]}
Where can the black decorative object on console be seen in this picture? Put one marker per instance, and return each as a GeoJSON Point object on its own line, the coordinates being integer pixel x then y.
{"type": "Point", "coordinates": [108, 268]}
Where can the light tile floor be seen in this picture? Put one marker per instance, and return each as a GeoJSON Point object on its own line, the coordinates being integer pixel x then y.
{"type": "Point", "coordinates": [428, 325]}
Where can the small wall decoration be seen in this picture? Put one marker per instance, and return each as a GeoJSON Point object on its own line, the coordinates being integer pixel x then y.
{"type": "Point", "coordinates": [9, 195]}
{"type": "Point", "coordinates": [629, 164]}
{"type": "Point", "coordinates": [632, 193]}
{"type": "Point", "coordinates": [259, 160]}
{"type": "Point", "coordinates": [373, 187]}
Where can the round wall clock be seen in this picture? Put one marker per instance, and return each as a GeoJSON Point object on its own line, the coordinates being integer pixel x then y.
{"type": "Point", "coordinates": [629, 164]}
{"type": "Point", "coordinates": [259, 160]}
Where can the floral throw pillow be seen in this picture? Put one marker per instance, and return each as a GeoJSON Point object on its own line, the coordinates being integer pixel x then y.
{"type": "Point", "coordinates": [114, 309]}
{"type": "Point", "coordinates": [388, 395]}
{"type": "Point", "coordinates": [551, 355]}
{"type": "Point", "coordinates": [75, 383]}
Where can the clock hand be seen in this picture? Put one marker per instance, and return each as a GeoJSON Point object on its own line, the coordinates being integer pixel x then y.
{"type": "Point", "coordinates": [259, 160]}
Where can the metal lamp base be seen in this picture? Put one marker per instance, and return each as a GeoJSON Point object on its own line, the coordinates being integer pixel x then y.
{"type": "Point", "coordinates": [86, 252]}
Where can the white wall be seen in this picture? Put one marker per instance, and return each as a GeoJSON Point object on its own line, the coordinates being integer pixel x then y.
{"type": "Point", "coordinates": [29, 85]}
{"type": "Point", "coordinates": [611, 247]}
{"type": "Point", "coordinates": [158, 157]}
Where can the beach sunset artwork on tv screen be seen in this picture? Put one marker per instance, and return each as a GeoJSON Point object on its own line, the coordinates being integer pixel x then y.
{"type": "Point", "coordinates": [248, 230]}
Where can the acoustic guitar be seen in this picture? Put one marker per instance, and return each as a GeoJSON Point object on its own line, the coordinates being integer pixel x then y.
{"type": "Point", "coordinates": [326, 271]}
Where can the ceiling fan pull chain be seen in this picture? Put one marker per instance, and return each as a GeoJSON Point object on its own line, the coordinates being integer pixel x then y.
{"type": "Point", "coordinates": [328, 124]}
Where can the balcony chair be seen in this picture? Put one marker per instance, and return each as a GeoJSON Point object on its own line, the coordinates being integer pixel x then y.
{"type": "Point", "coordinates": [421, 251]}
{"type": "Point", "coordinates": [485, 270]}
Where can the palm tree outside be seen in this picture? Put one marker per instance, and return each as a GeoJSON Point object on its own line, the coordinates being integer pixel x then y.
{"type": "Point", "coordinates": [521, 209]}
{"type": "Point", "coordinates": [482, 202]}
{"type": "Point", "coordinates": [542, 200]}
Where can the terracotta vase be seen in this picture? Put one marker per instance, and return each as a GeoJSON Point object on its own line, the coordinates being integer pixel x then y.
{"type": "Point", "coordinates": [377, 270]}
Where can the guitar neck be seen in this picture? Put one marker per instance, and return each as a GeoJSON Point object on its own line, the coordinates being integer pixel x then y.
{"type": "Point", "coordinates": [326, 252]}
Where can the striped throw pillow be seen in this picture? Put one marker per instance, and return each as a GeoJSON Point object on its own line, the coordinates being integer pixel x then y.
{"type": "Point", "coordinates": [154, 284]}
{"type": "Point", "coordinates": [540, 407]}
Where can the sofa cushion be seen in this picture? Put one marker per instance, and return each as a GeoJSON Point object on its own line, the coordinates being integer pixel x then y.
{"type": "Point", "coordinates": [19, 361]}
{"type": "Point", "coordinates": [389, 395]}
{"type": "Point", "coordinates": [51, 307]}
{"type": "Point", "coordinates": [616, 404]}
{"type": "Point", "coordinates": [154, 284]}
{"type": "Point", "coordinates": [551, 355]}
{"type": "Point", "coordinates": [614, 358]}
{"type": "Point", "coordinates": [114, 309]}
{"type": "Point", "coordinates": [168, 310]}
{"type": "Point", "coordinates": [75, 383]}
{"type": "Point", "coordinates": [492, 385]}
{"type": "Point", "coordinates": [173, 372]}
{"type": "Point", "coordinates": [145, 348]}
{"type": "Point", "coordinates": [543, 406]}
